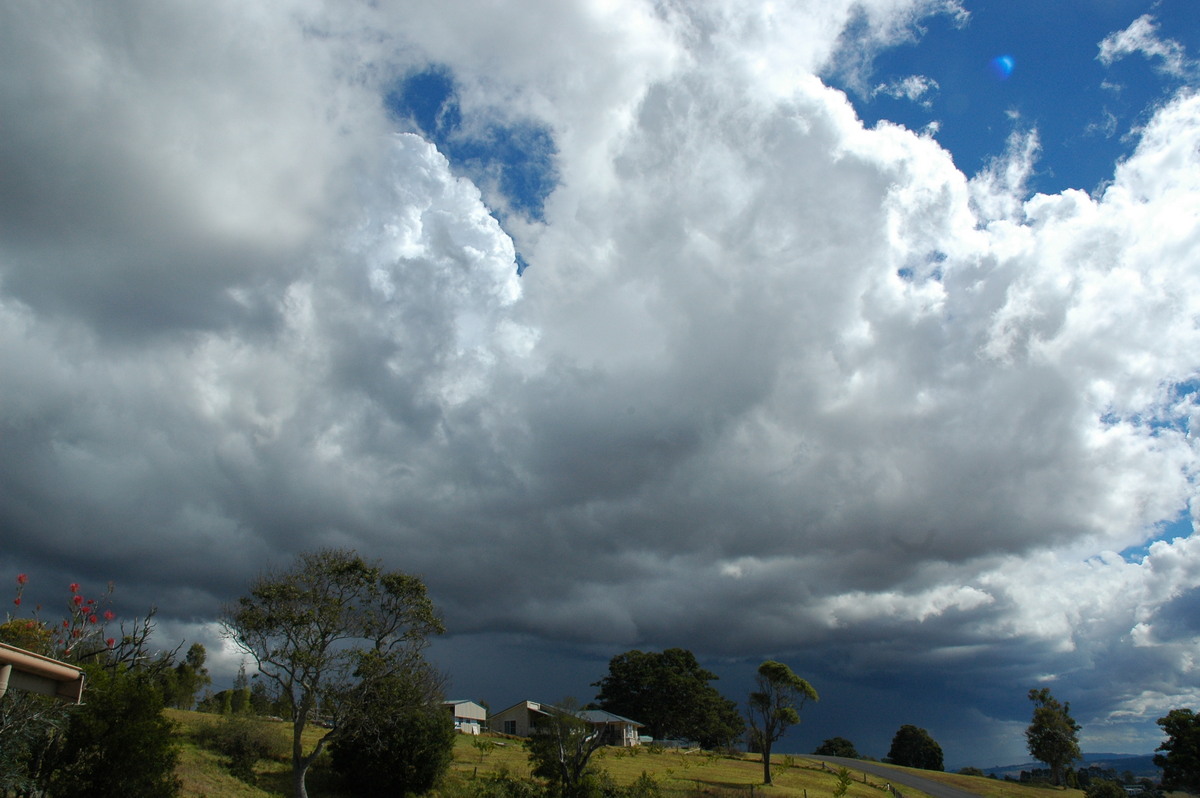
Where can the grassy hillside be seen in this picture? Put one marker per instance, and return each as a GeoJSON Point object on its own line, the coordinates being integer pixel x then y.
{"type": "Point", "coordinates": [680, 774]}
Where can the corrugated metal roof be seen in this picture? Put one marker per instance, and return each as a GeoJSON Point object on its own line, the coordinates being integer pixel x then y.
{"type": "Point", "coordinates": [604, 716]}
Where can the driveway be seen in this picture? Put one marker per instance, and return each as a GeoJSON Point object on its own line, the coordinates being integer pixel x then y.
{"type": "Point", "coordinates": [903, 778]}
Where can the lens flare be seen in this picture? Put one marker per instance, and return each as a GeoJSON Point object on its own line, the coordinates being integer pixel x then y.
{"type": "Point", "coordinates": [1002, 66]}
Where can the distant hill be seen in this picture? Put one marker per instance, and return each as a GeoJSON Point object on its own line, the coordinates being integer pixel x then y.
{"type": "Point", "coordinates": [1141, 765]}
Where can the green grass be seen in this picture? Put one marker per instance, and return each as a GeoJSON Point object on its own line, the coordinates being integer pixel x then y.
{"type": "Point", "coordinates": [203, 775]}
{"type": "Point", "coordinates": [680, 774]}
{"type": "Point", "coordinates": [992, 788]}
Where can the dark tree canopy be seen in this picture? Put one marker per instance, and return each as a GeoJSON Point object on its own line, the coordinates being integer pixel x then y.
{"type": "Point", "coordinates": [913, 747]}
{"type": "Point", "coordinates": [1053, 735]}
{"type": "Point", "coordinates": [325, 632]}
{"type": "Point", "coordinates": [775, 706]}
{"type": "Point", "coordinates": [117, 743]}
{"type": "Point", "coordinates": [401, 743]}
{"type": "Point", "coordinates": [837, 746]}
{"type": "Point", "coordinates": [1180, 761]}
{"type": "Point", "coordinates": [670, 694]}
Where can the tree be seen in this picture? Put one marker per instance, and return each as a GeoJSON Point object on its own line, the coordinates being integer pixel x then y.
{"type": "Point", "coordinates": [561, 748]}
{"type": "Point", "coordinates": [1181, 762]}
{"type": "Point", "coordinates": [235, 701]}
{"type": "Point", "coordinates": [775, 706]}
{"type": "Point", "coordinates": [118, 743]}
{"type": "Point", "coordinates": [913, 747]}
{"type": "Point", "coordinates": [837, 746]}
{"type": "Point", "coordinates": [401, 743]}
{"type": "Point", "coordinates": [326, 632]}
{"type": "Point", "coordinates": [670, 694]}
{"type": "Point", "coordinates": [1053, 736]}
{"type": "Point", "coordinates": [34, 748]}
{"type": "Point", "coordinates": [181, 683]}
{"type": "Point", "coordinates": [844, 780]}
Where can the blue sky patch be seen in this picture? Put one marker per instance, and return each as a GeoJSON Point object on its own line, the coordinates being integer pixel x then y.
{"type": "Point", "coordinates": [515, 158]}
{"type": "Point", "coordinates": [1018, 65]}
{"type": "Point", "coordinates": [1181, 527]}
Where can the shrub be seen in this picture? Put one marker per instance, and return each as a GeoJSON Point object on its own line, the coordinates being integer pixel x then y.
{"type": "Point", "coordinates": [392, 747]}
{"type": "Point", "coordinates": [243, 742]}
{"type": "Point", "coordinates": [501, 784]}
{"type": "Point", "coordinates": [117, 744]}
{"type": "Point", "coordinates": [643, 787]}
{"type": "Point", "coordinates": [1105, 789]}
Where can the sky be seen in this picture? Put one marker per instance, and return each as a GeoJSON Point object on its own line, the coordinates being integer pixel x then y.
{"type": "Point", "coordinates": [858, 335]}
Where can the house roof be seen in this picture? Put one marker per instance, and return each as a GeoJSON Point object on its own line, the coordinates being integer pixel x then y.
{"type": "Point", "coordinates": [590, 715]}
{"type": "Point", "coordinates": [532, 706]}
{"type": "Point", "coordinates": [604, 716]}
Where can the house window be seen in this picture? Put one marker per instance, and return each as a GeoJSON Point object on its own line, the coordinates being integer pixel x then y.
{"type": "Point", "coordinates": [510, 727]}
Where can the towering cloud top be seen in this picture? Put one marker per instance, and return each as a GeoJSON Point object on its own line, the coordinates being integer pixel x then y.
{"type": "Point", "coordinates": [773, 381]}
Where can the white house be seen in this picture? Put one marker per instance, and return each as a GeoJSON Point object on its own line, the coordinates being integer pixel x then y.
{"type": "Point", "coordinates": [521, 719]}
{"type": "Point", "coordinates": [518, 720]}
{"type": "Point", "coordinates": [616, 729]}
{"type": "Point", "coordinates": [469, 717]}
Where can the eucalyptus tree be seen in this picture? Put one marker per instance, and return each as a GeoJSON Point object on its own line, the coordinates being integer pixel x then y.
{"type": "Point", "coordinates": [1053, 735]}
{"type": "Point", "coordinates": [1180, 760]}
{"type": "Point", "coordinates": [326, 632]}
{"type": "Point", "coordinates": [775, 706]}
{"type": "Point", "coordinates": [561, 748]}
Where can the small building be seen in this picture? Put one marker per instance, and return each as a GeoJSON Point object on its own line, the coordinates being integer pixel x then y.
{"type": "Point", "coordinates": [521, 719]}
{"type": "Point", "coordinates": [469, 717]}
{"type": "Point", "coordinates": [615, 729]}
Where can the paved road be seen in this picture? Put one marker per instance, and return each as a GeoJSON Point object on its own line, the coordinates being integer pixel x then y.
{"type": "Point", "coordinates": [903, 778]}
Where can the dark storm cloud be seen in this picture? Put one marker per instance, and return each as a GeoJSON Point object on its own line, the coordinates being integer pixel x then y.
{"type": "Point", "coordinates": [774, 384]}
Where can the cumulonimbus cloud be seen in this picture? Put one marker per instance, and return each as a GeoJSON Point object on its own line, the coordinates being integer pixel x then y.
{"type": "Point", "coordinates": [765, 364]}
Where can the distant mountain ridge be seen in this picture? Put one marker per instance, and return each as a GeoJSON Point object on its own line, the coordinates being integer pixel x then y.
{"type": "Point", "coordinates": [1141, 765]}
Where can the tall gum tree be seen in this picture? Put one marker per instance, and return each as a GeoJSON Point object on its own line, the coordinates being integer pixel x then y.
{"type": "Point", "coordinates": [775, 707]}
{"type": "Point", "coordinates": [1180, 761]}
{"type": "Point", "coordinates": [1053, 735]}
{"type": "Point", "coordinates": [326, 632]}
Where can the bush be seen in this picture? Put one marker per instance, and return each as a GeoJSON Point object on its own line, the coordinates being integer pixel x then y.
{"type": "Point", "coordinates": [1105, 789]}
{"type": "Point", "coordinates": [393, 748]}
{"type": "Point", "coordinates": [837, 746]}
{"type": "Point", "coordinates": [118, 743]}
{"type": "Point", "coordinates": [501, 784]}
{"type": "Point", "coordinates": [643, 787]}
{"type": "Point", "coordinates": [243, 742]}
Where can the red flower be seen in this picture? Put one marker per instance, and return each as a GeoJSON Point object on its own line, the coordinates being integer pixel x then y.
{"type": "Point", "coordinates": [109, 615]}
{"type": "Point", "coordinates": [29, 625]}
{"type": "Point", "coordinates": [78, 600]}
{"type": "Point", "coordinates": [73, 587]}
{"type": "Point", "coordinates": [91, 601]}
{"type": "Point", "coordinates": [91, 619]}
{"type": "Point", "coordinates": [66, 623]}
{"type": "Point", "coordinates": [17, 601]}
{"type": "Point", "coordinates": [22, 579]}
{"type": "Point", "coordinates": [75, 633]}
{"type": "Point", "coordinates": [111, 642]}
